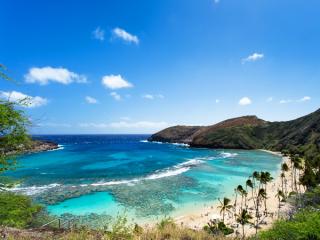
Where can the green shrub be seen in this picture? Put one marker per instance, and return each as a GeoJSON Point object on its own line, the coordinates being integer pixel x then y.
{"type": "Point", "coordinates": [16, 210]}
{"type": "Point", "coordinates": [304, 225]}
{"type": "Point", "coordinates": [217, 228]}
{"type": "Point", "coordinates": [120, 229]}
{"type": "Point", "coordinates": [167, 221]}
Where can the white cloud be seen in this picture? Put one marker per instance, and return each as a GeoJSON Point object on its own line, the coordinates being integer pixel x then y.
{"type": "Point", "coordinates": [124, 35]}
{"type": "Point", "coordinates": [283, 101]}
{"type": "Point", "coordinates": [152, 96]}
{"type": "Point", "coordinates": [245, 101]}
{"type": "Point", "coordinates": [115, 82]}
{"type": "Point", "coordinates": [46, 74]}
{"type": "Point", "coordinates": [253, 57]}
{"type": "Point", "coordinates": [216, 1]}
{"type": "Point", "coordinates": [217, 101]}
{"type": "Point", "coordinates": [115, 95]}
{"type": "Point", "coordinates": [98, 34]}
{"type": "Point", "coordinates": [91, 100]}
{"type": "Point", "coordinates": [304, 99]}
{"type": "Point", "coordinates": [23, 99]}
{"type": "Point", "coordinates": [269, 99]}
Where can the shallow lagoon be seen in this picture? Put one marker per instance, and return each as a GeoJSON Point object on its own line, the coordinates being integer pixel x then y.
{"type": "Point", "coordinates": [107, 174]}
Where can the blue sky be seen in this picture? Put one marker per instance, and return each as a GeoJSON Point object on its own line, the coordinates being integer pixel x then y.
{"type": "Point", "coordinates": [128, 66]}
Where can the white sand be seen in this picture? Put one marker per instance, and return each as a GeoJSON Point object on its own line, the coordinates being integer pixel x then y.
{"type": "Point", "coordinates": [197, 221]}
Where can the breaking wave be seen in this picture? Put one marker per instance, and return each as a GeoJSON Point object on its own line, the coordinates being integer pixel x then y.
{"type": "Point", "coordinates": [60, 147]}
{"type": "Point", "coordinates": [228, 155]}
{"type": "Point", "coordinates": [157, 142]}
{"type": "Point", "coordinates": [169, 172]}
{"type": "Point", "coordinates": [32, 190]}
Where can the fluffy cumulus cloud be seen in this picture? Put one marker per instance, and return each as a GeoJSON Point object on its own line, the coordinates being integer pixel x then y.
{"type": "Point", "coordinates": [98, 34]}
{"type": "Point", "coordinates": [116, 96]}
{"type": "Point", "coordinates": [245, 101]}
{"type": "Point", "coordinates": [125, 36]}
{"type": "Point", "coordinates": [217, 101]}
{"type": "Point", "coordinates": [23, 99]}
{"type": "Point", "coordinates": [45, 75]}
{"type": "Point", "coordinates": [115, 82]}
{"type": "Point", "coordinates": [152, 96]}
{"type": "Point", "coordinates": [91, 100]}
{"type": "Point", "coordinates": [253, 58]}
{"type": "Point", "coordinates": [304, 99]}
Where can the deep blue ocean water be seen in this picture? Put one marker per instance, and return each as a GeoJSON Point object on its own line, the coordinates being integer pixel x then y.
{"type": "Point", "coordinates": [107, 174]}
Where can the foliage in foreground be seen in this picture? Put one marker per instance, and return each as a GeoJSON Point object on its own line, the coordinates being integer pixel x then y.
{"type": "Point", "coordinates": [119, 230]}
{"type": "Point", "coordinates": [16, 210]}
{"type": "Point", "coordinates": [305, 225]}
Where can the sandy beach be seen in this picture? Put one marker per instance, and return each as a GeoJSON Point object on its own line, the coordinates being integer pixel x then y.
{"type": "Point", "coordinates": [197, 221]}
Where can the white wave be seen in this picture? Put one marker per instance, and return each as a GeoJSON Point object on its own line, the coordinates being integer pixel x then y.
{"type": "Point", "coordinates": [191, 163]}
{"type": "Point", "coordinates": [228, 155]}
{"type": "Point", "coordinates": [181, 144]}
{"type": "Point", "coordinates": [32, 190]}
{"type": "Point", "coordinates": [115, 182]}
{"type": "Point", "coordinates": [157, 142]}
{"type": "Point", "coordinates": [60, 147]}
{"type": "Point", "coordinates": [168, 173]}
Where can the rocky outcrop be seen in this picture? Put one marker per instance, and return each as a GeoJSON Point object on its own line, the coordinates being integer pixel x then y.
{"type": "Point", "coordinates": [177, 134]}
{"type": "Point", "coordinates": [41, 146]}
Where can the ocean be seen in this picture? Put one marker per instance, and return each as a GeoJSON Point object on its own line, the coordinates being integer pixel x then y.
{"type": "Point", "coordinates": [111, 174]}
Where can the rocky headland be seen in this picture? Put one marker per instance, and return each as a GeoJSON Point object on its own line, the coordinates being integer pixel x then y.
{"type": "Point", "coordinates": [248, 132]}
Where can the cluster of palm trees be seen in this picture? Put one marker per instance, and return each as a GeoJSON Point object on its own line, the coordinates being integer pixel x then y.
{"type": "Point", "coordinates": [257, 186]}
{"type": "Point", "coordinates": [251, 201]}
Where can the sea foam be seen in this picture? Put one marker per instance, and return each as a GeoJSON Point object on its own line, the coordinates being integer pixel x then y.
{"type": "Point", "coordinates": [228, 155]}
{"type": "Point", "coordinates": [32, 190]}
{"type": "Point", "coordinates": [168, 172]}
{"type": "Point", "coordinates": [60, 147]}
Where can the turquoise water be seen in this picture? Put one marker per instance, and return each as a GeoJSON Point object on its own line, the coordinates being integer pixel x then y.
{"type": "Point", "coordinates": [107, 174]}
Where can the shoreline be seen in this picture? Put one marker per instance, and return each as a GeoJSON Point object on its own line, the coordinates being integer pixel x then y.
{"type": "Point", "coordinates": [198, 220]}
{"type": "Point", "coordinates": [196, 217]}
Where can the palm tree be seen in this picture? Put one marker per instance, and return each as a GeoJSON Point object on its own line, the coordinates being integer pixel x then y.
{"type": "Point", "coordinates": [225, 206]}
{"type": "Point", "coordinates": [249, 184]}
{"type": "Point", "coordinates": [284, 169]}
{"type": "Point", "coordinates": [297, 166]}
{"type": "Point", "coordinates": [245, 194]}
{"type": "Point", "coordinates": [240, 191]}
{"type": "Point", "coordinates": [255, 177]}
{"type": "Point", "coordinates": [295, 162]}
{"type": "Point", "coordinates": [279, 195]}
{"type": "Point", "coordinates": [235, 200]}
{"type": "Point", "coordinates": [268, 178]}
{"type": "Point", "coordinates": [260, 196]}
{"type": "Point", "coordinates": [264, 179]}
{"type": "Point", "coordinates": [244, 218]}
{"type": "Point", "coordinates": [283, 176]}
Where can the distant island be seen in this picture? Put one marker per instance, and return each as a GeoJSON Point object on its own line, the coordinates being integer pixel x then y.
{"type": "Point", "coordinates": [248, 132]}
